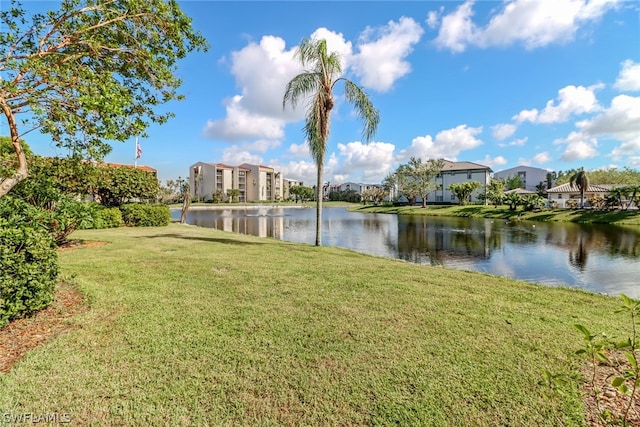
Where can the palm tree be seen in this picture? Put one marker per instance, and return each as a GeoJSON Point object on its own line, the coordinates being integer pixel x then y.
{"type": "Point", "coordinates": [322, 73]}
{"type": "Point", "coordinates": [580, 180]}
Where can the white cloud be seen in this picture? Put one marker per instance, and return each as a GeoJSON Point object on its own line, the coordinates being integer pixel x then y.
{"type": "Point", "coordinates": [571, 100]}
{"type": "Point", "coordinates": [541, 158]}
{"type": "Point", "coordinates": [241, 124]}
{"type": "Point", "coordinates": [457, 29]}
{"type": "Point", "coordinates": [372, 162]}
{"type": "Point", "coordinates": [235, 155]}
{"type": "Point", "coordinates": [433, 17]}
{"type": "Point", "coordinates": [524, 162]}
{"type": "Point", "coordinates": [621, 121]}
{"type": "Point", "coordinates": [579, 147]}
{"type": "Point", "coordinates": [515, 143]}
{"type": "Point", "coordinates": [629, 77]}
{"type": "Point", "coordinates": [447, 144]}
{"type": "Point", "coordinates": [300, 150]}
{"type": "Point", "coordinates": [335, 43]}
{"type": "Point", "coordinates": [263, 71]}
{"type": "Point", "coordinates": [261, 145]}
{"type": "Point", "coordinates": [533, 23]}
{"type": "Point", "coordinates": [634, 162]}
{"type": "Point", "coordinates": [488, 161]}
{"type": "Point", "coordinates": [302, 170]}
{"type": "Point", "coordinates": [503, 131]}
{"type": "Point", "coordinates": [526, 116]}
{"type": "Point", "coordinates": [381, 59]}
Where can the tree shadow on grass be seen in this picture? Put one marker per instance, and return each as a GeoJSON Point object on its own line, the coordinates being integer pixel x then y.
{"type": "Point", "coordinates": [203, 239]}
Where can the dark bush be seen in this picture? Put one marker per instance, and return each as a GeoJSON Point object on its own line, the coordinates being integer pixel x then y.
{"type": "Point", "coordinates": [28, 261]}
{"type": "Point", "coordinates": [141, 215]}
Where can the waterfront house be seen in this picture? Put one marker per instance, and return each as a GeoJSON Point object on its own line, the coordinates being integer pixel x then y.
{"type": "Point", "coordinates": [567, 195]}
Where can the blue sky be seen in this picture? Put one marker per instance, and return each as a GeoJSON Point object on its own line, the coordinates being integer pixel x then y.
{"type": "Point", "coordinates": [552, 84]}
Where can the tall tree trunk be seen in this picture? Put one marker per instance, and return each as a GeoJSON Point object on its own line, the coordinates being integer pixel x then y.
{"type": "Point", "coordinates": [186, 202]}
{"type": "Point", "coordinates": [22, 172]}
{"type": "Point", "coordinates": [319, 203]}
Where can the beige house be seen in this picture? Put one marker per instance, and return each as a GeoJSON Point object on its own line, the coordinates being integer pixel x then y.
{"type": "Point", "coordinates": [254, 182]}
{"type": "Point", "coordinates": [560, 195]}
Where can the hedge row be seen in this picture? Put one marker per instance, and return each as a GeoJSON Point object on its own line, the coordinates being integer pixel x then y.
{"type": "Point", "coordinates": [130, 215]}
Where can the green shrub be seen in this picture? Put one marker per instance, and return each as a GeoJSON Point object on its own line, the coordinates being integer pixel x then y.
{"type": "Point", "coordinates": [141, 215]}
{"type": "Point", "coordinates": [111, 217]}
{"type": "Point", "coordinates": [66, 216]}
{"type": "Point", "coordinates": [102, 217]}
{"type": "Point", "coordinates": [28, 269]}
{"type": "Point", "coordinates": [61, 218]}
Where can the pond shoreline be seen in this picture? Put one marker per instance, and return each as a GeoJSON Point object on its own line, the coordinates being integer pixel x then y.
{"type": "Point", "coordinates": [618, 217]}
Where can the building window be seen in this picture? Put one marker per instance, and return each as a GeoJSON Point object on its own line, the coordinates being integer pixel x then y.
{"type": "Point", "coordinates": [559, 196]}
{"type": "Point", "coordinates": [269, 185]}
{"type": "Point", "coordinates": [218, 180]}
{"type": "Point", "coordinates": [438, 198]}
{"type": "Point", "coordinates": [453, 197]}
{"type": "Point", "coordinates": [468, 174]}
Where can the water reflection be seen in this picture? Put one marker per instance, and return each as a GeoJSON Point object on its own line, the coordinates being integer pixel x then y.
{"type": "Point", "coordinates": [599, 258]}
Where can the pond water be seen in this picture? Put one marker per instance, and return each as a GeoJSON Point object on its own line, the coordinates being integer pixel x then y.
{"type": "Point", "coordinates": [598, 258]}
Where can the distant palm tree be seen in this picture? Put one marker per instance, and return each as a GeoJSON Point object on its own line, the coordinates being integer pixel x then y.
{"type": "Point", "coordinates": [580, 180]}
{"type": "Point", "coordinates": [317, 82]}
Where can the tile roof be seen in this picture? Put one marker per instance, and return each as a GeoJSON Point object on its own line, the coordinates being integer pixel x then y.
{"type": "Point", "coordinates": [456, 166]}
{"type": "Point", "coordinates": [141, 167]}
{"type": "Point", "coordinates": [592, 188]}
{"type": "Point", "coordinates": [520, 191]}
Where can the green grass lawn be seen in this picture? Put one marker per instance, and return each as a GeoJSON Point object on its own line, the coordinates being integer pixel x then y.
{"type": "Point", "coordinates": [629, 217]}
{"type": "Point", "coordinates": [193, 326]}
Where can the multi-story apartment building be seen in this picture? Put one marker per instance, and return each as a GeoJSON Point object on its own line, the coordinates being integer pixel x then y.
{"type": "Point", "coordinates": [454, 172]}
{"type": "Point", "coordinates": [253, 182]}
{"type": "Point", "coordinates": [530, 176]}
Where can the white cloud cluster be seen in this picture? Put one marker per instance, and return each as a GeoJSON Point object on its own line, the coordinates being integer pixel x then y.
{"type": "Point", "coordinates": [533, 23]}
{"type": "Point", "coordinates": [255, 120]}
{"type": "Point", "coordinates": [621, 122]}
{"type": "Point", "coordinates": [571, 100]}
{"type": "Point", "coordinates": [242, 124]}
{"type": "Point", "coordinates": [492, 162]}
{"type": "Point", "coordinates": [503, 131]}
{"type": "Point", "coordinates": [262, 70]}
{"type": "Point", "coordinates": [374, 160]}
{"type": "Point", "coordinates": [381, 59]}
{"type": "Point", "coordinates": [604, 127]}
{"type": "Point", "coordinates": [447, 144]}
{"type": "Point", "coordinates": [629, 78]}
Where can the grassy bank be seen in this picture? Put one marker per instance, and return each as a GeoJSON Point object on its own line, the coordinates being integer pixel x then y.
{"type": "Point", "coordinates": [193, 326]}
{"type": "Point", "coordinates": [630, 217]}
